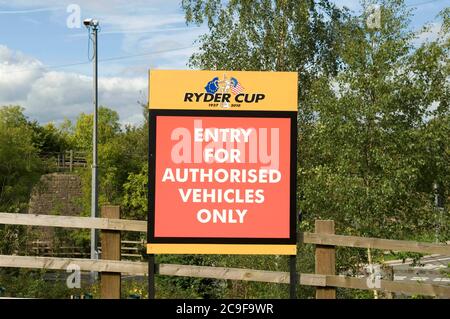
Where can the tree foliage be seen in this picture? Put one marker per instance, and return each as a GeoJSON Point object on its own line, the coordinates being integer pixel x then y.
{"type": "Point", "coordinates": [366, 103]}
{"type": "Point", "coordinates": [121, 154]}
{"type": "Point", "coordinates": [365, 160]}
{"type": "Point", "coordinates": [19, 161]}
{"type": "Point", "coordinates": [267, 35]}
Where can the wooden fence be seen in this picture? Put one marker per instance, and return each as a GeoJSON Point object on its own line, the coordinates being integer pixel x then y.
{"type": "Point", "coordinates": [325, 280]}
{"type": "Point", "coordinates": [67, 160]}
{"type": "Point", "coordinates": [129, 249]}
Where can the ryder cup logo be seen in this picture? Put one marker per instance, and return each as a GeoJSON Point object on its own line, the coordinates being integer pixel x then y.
{"type": "Point", "coordinates": [224, 86]}
{"type": "Point", "coordinates": [224, 92]}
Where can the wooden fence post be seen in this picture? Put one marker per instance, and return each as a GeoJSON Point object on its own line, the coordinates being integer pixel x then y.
{"type": "Point", "coordinates": [325, 259]}
{"type": "Point", "coordinates": [110, 281]}
{"type": "Point", "coordinates": [387, 273]}
{"type": "Point", "coordinates": [71, 160]}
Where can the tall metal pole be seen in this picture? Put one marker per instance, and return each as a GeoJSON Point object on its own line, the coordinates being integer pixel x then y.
{"type": "Point", "coordinates": [94, 197]}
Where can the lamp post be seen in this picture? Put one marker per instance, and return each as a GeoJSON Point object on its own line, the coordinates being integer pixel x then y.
{"type": "Point", "coordinates": [92, 26]}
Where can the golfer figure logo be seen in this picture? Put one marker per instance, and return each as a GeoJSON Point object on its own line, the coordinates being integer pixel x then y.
{"type": "Point", "coordinates": [224, 86]}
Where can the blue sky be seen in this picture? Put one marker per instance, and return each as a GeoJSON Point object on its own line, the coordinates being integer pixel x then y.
{"type": "Point", "coordinates": [36, 45]}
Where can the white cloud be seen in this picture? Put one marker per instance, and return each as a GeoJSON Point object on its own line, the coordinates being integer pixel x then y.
{"type": "Point", "coordinates": [52, 96]}
{"type": "Point", "coordinates": [114, 15]}
{"type": "Point", "coordinates": [431, 34]}
{"type": "Point", "coordinates": [144, 26]}
{"type": "Point", "coordinates": [17, 72]}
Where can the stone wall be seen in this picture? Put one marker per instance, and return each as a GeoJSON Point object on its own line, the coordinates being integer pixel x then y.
{"type": "Point", "coordinates": [55, 194]}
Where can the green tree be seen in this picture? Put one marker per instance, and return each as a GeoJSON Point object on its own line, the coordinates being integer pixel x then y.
{"type": "Point", "coordinates": [108, 127]}
{"type": "Point", "coordinates": [135, 200]}
{"type": "Point", "coordinates": [48, 138]}
{"type": "Point", "coordinates": [268, 35]}
{"type": "Point", "coordinates": [121, 151]}
{"type": "Point", "coordinates": [431, 61]}
{"type": "Point", "coordinates": [20, 169]}
{"type": "Point", "coordinates": [362, 161]}
{"type": "Point", "coordinates": [19, 163]}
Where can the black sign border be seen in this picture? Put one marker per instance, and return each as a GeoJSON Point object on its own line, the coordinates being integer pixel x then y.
{"type": "Point", "coordinates": [151, 239]}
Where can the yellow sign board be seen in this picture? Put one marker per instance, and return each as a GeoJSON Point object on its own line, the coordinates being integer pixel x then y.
{"type": "Point", "coordinates": [222, 249]}
{"type": "Point", "coordinates": [223, 90]}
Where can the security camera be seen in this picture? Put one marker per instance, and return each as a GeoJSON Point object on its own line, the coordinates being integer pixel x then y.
{"type": "Point", "coordinates": [90, 23]}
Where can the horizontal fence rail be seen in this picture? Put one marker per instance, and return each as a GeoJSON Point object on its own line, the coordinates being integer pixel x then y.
{"type": "Point", "coordinates": [45, 248]}
{"type": "Point", "coordinates": [374, 243]}
{"type": "Point", "coordinates": [141, 268]}
{"type": "Point", "coordinates": [73, 222]}
{"type": "Point", "coordinates": [141, 226]}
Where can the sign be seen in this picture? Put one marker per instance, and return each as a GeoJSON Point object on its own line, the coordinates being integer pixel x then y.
{"type": "Point", "coordinates": [222, 165]}
{"type": "Point", "coordinates": [218, 90]}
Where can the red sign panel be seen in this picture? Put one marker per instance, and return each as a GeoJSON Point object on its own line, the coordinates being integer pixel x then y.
{"type": "Point", "coordinates": [222, 177]}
